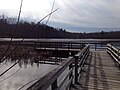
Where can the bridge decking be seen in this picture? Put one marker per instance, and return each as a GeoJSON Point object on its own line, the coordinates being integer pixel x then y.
{"type": "Point", "coordinates": [100, 73]}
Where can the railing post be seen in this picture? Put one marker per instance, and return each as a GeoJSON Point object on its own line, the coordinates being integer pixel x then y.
{"type": "Point", "coordinates": [71, 75]}
{"type": "Point", "coordinates": [56, 46]}
{"type": "Point", "coordinates": [34, 46]}
{"type": "Point", "coordinates": [101, 43]}
{"type": "Point", "coordinates": [68, 46]}
{"type": "Point", "coordinates": [111, 47]}
{"type": "Point", "coordinates": [40, 45]}
{"type": "Point", "coordinates": [82, 45]}
{"type": "Point", "coordinates": [54, 85]}
{"type": "Point", "coordinates": [71, 46]}
{"type": "Point", "coordinates": [95, 46]}
{"type": "Point", "coordinates": [118, 54]}
{"type": "Point", "coordinates": [76, 70]}
{"type": "Point", "coordinates": [70, 67]}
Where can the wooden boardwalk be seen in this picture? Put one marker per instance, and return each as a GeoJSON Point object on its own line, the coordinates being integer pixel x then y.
{"type": "Point", "coordinates": [60, 49]}
{"type": "Point", "coordinates": [100, 73]}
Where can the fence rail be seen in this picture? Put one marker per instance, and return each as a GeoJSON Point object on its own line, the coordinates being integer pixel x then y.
{"type": "Point", "coordinates": [79, 62]}
{"type": "Point", "coordinates": [51, 79]}
{"type": "Point", "coordinates": [115, 53]}
{"type": "Point", "coordinates": [56, 45]}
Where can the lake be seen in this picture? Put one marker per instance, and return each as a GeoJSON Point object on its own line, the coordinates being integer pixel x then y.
{"type": "Point", "coordinates": [22, 73]}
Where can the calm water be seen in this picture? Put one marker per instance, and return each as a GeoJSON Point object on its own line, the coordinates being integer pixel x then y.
{"type": "Point", "coordinates": [24, 73]}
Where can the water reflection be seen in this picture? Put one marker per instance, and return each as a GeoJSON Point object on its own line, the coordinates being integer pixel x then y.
{"type": "Point", "coordinates": [26, 70]}
{"type": "Point", "coordinates": [22, 73]}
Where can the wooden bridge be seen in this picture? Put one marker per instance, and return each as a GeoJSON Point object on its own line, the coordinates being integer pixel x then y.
{"type": "Point", "coordinates": [87, 69]}
{"type": "Point", "coordinates": [100, 73]}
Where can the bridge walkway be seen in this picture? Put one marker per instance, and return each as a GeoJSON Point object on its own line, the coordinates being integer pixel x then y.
{"type": "Point", "coordinates": [99, 73]}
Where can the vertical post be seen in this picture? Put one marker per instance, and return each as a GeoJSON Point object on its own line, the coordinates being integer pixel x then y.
{"type": "Point", "coordinates": [40, 45]}
{"type": "Point", "coordinates": [95, 46]}
{"type": "Point", "coordinates": [56, 50]}
{"type": "Point", "coordinates": [70, 67]}
{"type": "Point", "coordinates": [111, 47]}
{"type": "Point", "coordinates": [45, 45]}
{"type": "Point", "coordinates": [71, 46]}
{"type": "Point", "coordinates": [54, 85]}
{"type": "Point", "coordinates": [76, 70]}
{"type": "Point", "coordinates": [118, 53]}
{"type": "Point", "coordinates": [61, 45]}
{"type": "Point", "coordinates": [80, 45]}
{"type": "Point", "coordinates": [34, 45]}
{"type": "Point", "coordinates": [102, 44]}
{"type": "Point", "coordinates": [119, 56]}
{"type": "Point", "coordinates": [56, 46]}
{"type": "Point", "coordinates": [68, 47]}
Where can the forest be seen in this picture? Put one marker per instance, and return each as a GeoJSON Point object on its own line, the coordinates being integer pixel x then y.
{"type": "Point", "coordinates": [23, 29]}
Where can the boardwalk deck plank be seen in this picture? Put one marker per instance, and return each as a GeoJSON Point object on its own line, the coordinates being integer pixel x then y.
{"type": "Point", "coordinates": [100, 73]}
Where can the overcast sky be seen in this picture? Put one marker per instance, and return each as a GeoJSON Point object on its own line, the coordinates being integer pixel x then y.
{"type": "Point", "coordinates": [72, 15]}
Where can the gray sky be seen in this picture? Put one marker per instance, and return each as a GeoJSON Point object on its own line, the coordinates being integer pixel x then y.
{"type": "Point", "coordinates": [72, 15]}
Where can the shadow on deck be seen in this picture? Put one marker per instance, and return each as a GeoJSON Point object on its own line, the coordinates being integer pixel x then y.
{"type": "Point", "coordinates": [99, 73]}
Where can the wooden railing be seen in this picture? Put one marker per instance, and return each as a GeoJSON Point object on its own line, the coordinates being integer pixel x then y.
{"type": "Point", "coordinates": [115, 53]}
{"type": "Point", "coordinates": [79, 62]}
{"type": "Point", "coordinates": [72, 64]}
{"type": "Point", "coordinates": [56, 45]}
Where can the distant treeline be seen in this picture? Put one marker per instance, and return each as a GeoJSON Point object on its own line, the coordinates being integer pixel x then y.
{"type": "Point", "coordinates": [8, 28]}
